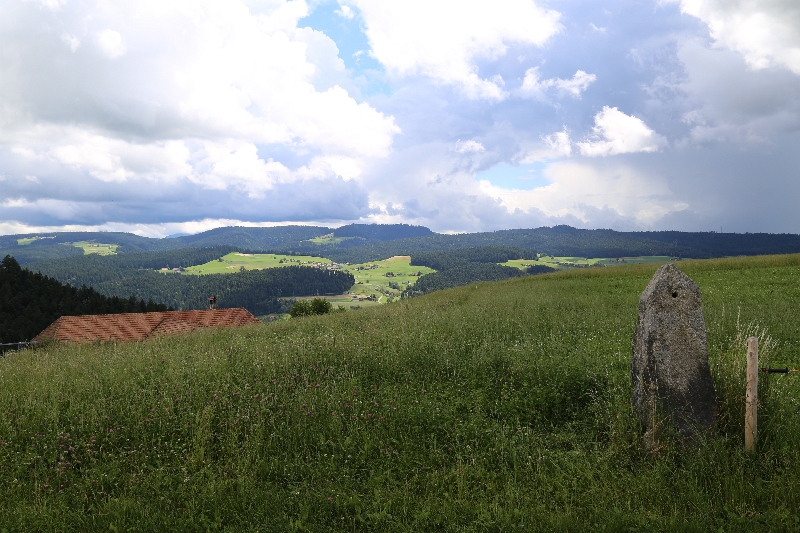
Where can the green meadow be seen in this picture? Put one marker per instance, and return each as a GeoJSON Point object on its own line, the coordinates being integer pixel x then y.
{"type": "Point", "coordinates": [88, 247]}
{"type": "Point", "coordinates": [328, 239]}
{"type": "Point", "coordinates": [383, 280]}
{"type": "Point", "coordinates": [91, 247]}
{"type": "Point", "coordinates": [493, 407]}
{"type": "Point", "coordinates": [236, 261]}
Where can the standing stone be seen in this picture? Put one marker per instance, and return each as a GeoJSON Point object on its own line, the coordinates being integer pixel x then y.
{"type": "Point", "coordinates": [669, 368]}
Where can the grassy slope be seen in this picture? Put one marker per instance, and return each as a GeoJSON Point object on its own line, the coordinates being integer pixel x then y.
{"type": "Point", "coordinates": [483, 408]}
{"type": "Point", "coordinates": [90, 247]}
{"type": "Point", "coordinates": [233, 261]}
{"type": "Point", "coordinates": [368, 281]}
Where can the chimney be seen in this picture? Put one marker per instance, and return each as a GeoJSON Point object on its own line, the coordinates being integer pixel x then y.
{"type": "Point", "coordinates": [212, 302]}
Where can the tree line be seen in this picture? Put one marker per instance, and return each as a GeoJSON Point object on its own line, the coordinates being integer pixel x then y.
{"type": "Point", "coordinates": [446, 260]}
{"type": "Point", "coordinates": [94, 269]}
{"type": "Point", "coordinates": [259, 291]}
{"type": "Point", "coordinates": [464, 266]}
{"type": "Point", "coordinates": [373, 242]}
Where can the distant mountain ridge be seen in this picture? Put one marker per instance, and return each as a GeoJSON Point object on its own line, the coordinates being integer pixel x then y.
{"type": "Point", "coordinates": [370, 242]}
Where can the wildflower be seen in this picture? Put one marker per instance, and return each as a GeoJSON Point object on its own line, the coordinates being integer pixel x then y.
{"type": "Point", "coordinates": [330, 499]}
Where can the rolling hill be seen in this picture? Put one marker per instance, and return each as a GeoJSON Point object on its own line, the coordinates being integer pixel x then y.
{"type": "Point", "coordinates": [497, 407]}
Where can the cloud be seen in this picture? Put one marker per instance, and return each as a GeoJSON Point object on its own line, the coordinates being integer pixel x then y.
{"type": "Point", "coordinates": [532, 85]}
{"type": "Point", "coordinates": [729, 102]}
{"type": "Point", "coordinates": [464, 147]}
{"type": "Point", "coordinates": [444, 39]}
{"type": "Point", "coordinates": [615, 132]}
{"type": "Point", "coordinates": [765, 32]}
{"type": "Point", "coordinates": [200, 96]}
{"type": "Point", "coordinates": [110, 43]}
{"type": "Point", "coordinates": [345, 12]}
{"type": "Point", "coordinates": [556, 145]}
{"type": "Point", "coordinates": [585, 192]}
{"type": "Point", "coordinates": [73, 42]}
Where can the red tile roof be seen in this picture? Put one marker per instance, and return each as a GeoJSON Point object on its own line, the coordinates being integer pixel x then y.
{"type": "Point", "coordinates": [139, 326]}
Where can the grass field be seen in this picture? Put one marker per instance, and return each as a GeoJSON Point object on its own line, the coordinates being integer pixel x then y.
{"type": "Point", "coordinates": [494, 407]}
{"type": "Point", "coordinates": [90, 247]}
{"type": "Point", "coordinates": [328, 239]}
{"type": "Point", "coordinates": [564, 263]}
{"type": "Point", "coordinates": [371, 278]}
{"type": "Point", "coordinates": [235, 261]}
{"type": "Point", "coordinates": [28, 240]}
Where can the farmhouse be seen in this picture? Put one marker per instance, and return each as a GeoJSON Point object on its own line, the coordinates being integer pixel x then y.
{"type": "Point", "coordinates": [140, 326]}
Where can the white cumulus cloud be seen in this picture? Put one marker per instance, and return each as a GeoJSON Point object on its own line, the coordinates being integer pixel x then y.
{"type": "Point", "coordinates": [766, 32]}
{"type": "Point", "coordinates": [201, 95]}
{"type": "Point", "coordinates": [579, 82]}
{"type": "Point", "coordinates": [443, 39]}
{"type": "Point", "coordinates": [581, 191]}
{"type": "Point", "coordinates": [345, 12]}
{"type": "Point", "coordinates": [464, 147]}
{"type": "Point", "coordinates": [615, 132]}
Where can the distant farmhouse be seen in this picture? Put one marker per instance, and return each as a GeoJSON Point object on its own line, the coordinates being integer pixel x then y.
{"type": "Point", "coordinates": [140, 326]}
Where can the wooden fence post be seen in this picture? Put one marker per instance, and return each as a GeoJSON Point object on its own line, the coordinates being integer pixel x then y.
{"type": "Point", "coordinates": [751, 408]}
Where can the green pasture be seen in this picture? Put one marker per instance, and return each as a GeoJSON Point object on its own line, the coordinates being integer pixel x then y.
{"type": "Point", "coordinates": [28, 240]}
{"type": "Point", "coordinates": [489, 408]}
{"type": "Point", "coordinates": [371, 278]}
{"type": "Point", "coordinates": [328, 239]}
{"type": "Point", "coordinates": [91, 247]}
{"type": "Point", "coordinates": [564, 263]}
{"type": "Point", "coordinates": [235, 261]}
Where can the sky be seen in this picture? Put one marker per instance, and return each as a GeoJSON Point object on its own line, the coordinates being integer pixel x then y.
{"type": "Point", "coordinates": [177, 116]}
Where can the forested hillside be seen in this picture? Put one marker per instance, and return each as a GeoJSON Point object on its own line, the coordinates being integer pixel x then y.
{"type": "Point", "coordinates": [38, 251]}
{"type": "Point", "coordinates": [30, 301]}
{"type": "Point", "coordinates": [92, 270]}
{"type": "Point", "coordinates": [465, 266]}
{"type": "Point", "coordinates": [256, 290]}
{"type": "Point", "coordinates": [464, 274]}
{"type": "Point", "coordinates": [372, 242]}
{"type": "Point", "coordinates": [568, 241]}
{"type": "Point", "coordinates": [259, 239]}
{"type": "Point", "coordinates": [381, 232]}
{"type": "Point", "coordinates": [446, 260]}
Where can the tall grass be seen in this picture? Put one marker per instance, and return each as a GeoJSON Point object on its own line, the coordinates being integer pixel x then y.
{"type": "Point", "coordinates": [493, 407]}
